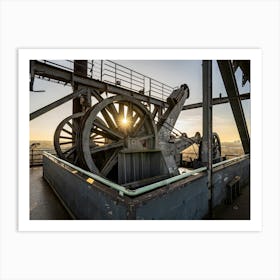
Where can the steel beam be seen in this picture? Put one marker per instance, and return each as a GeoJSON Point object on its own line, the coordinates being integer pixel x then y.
{"type": "Point", "coordinates": [207, 111]}
{"type": "Point", "coordinates": [216, 101]}
{"type": "Point", "coordinates": [229, 80]}
{"type": "Point", "coordinates": [49, 71]}
{"type": "Point", "coordinates": [55, 104]}
{"type": "Point", "coordinates": [80, 67]}
{"type": "Point", "coordinates": [207, 156]}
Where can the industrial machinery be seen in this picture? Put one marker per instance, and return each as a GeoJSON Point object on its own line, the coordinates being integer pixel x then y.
{"type": "Point", "coordinates": [121, 139]}
{"type": "Point", "coordinates": [119, 153]}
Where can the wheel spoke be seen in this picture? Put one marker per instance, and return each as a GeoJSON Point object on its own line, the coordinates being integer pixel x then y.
{"type": "Point", "coordinates": [99, 142]}
{"type": "Point", "coordinates": [64, 143]}
{"type": "Point", "coordinates": [99, 120]}
{"type": "Point", "coordinates": [97, 149]}
{"type": "Point", "coordinates": [65, 137]}
{"type": "Point", "coordinates": [74, 128]}
{"type": "Point", "coordinates": [110, 133]}
{"type": "Point", "coordinates": [76, 159]}
{"type": "Point", "coordinates": [129, 111]}
{"type": "Point", "coordinates": [96, 137]}
{"type": "Point", "coordinates": [139, 125]}
{"type": "Point", "coordinates": [110, 163]}
{"type": "Point", "coordinates": [70, 151]}
{"type": "Point", "coordinates": [70, 124]}
{"type": "Point", "coordinates": [108, 119]}
{"type": "Point", "coordinates": [102, 133]}
{"type": "Point", "coordinates": [67, 131]}
{"type": "Point", "coordinates": [135, 118]}
{"type": "Point", "coordinates": [121, 111]}
{"type": "Point", "coordinates": [112, 109]}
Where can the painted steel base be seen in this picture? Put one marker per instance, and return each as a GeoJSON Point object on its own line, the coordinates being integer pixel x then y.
{"type": "Point", "coordinates": [185, 199]}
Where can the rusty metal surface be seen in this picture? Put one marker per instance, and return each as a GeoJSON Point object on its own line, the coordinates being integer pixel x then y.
{"type": "Point", "coordinates": [85, 200]}
{"type": "Point", "coordinates": [185, 199]}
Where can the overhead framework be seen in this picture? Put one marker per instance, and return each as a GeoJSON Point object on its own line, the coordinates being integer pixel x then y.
{"type": "Point", "coordinates": [227, 73]}
{"type": "Point", "coordinates": [66, 76]}
{"type": "Point", "coordinates": [134, 126]}
{"type": "Point", "coordinates": [216, 101]}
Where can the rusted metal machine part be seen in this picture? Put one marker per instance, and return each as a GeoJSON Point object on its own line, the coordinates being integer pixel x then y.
{"type": "Point", "coordinates": [176, 102]}
{"type": "Point", "coordinates": [66, 138]}
{"type": "Point", "coordinates": [116, 124]}
{"type": "Point", "coordinates": [118, 138]}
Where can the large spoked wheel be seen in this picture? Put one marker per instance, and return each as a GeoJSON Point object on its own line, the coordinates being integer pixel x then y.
{"type": "Point", "coordinates": [65, 138]}
{"type": "Point", "coordinates": [110, 126]}
{"type": "Point", "coordinates": [216, 147]}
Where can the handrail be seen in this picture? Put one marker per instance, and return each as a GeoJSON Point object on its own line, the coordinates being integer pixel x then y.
{"type": "Point", "coordinates": [36, 156]}
{"type": "Point", "coordinates": [135, 80]}
{"type": "Point", "coordinates": [122, 190]}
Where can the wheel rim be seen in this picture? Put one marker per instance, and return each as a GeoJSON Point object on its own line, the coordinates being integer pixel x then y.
{"type": "Point", "coordinates": [216, 146]}
{"type": "Point", "coordinates": [65, 139]}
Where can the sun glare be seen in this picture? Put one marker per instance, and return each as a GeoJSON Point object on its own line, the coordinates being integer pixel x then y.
{"type": "Point", "coordinates": [124, 122]}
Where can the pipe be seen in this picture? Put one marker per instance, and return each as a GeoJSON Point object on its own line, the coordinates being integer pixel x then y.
{"type": "Point", "coordinates": [122, 190]}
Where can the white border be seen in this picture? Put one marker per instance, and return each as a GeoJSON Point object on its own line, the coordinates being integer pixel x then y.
{"type": "Point", "coordinates": [24, 224]}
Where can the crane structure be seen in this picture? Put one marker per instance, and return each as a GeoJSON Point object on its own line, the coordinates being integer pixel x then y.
{"type": "Point", "coordinates": [121, 140]}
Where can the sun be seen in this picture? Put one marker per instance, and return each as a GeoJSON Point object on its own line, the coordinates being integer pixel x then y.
{"type": "Point", "coordinates": [124, 122]}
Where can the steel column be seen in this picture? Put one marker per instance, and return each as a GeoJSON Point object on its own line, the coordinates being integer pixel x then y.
{"type": "Point", "coordinates": [207, 156]}
{"type": "Point", "coordinates": [228, 77]}
{"type": "Point", "coordinates": [80, 68]}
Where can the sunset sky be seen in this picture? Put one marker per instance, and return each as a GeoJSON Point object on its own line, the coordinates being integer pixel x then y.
{"type": "Point", "coordinates": [171, 72]}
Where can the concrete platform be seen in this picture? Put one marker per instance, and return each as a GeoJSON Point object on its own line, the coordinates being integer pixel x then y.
{"type": "Point", "coordinates": [44, 204]}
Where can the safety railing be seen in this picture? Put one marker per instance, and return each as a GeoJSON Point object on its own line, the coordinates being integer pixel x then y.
{"type": "Point", "coordinates": [113, 73]}
{"type": "Point", "coordinates": [36, 156]}
{"type": "Point", "coordinates": [124, 191]}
